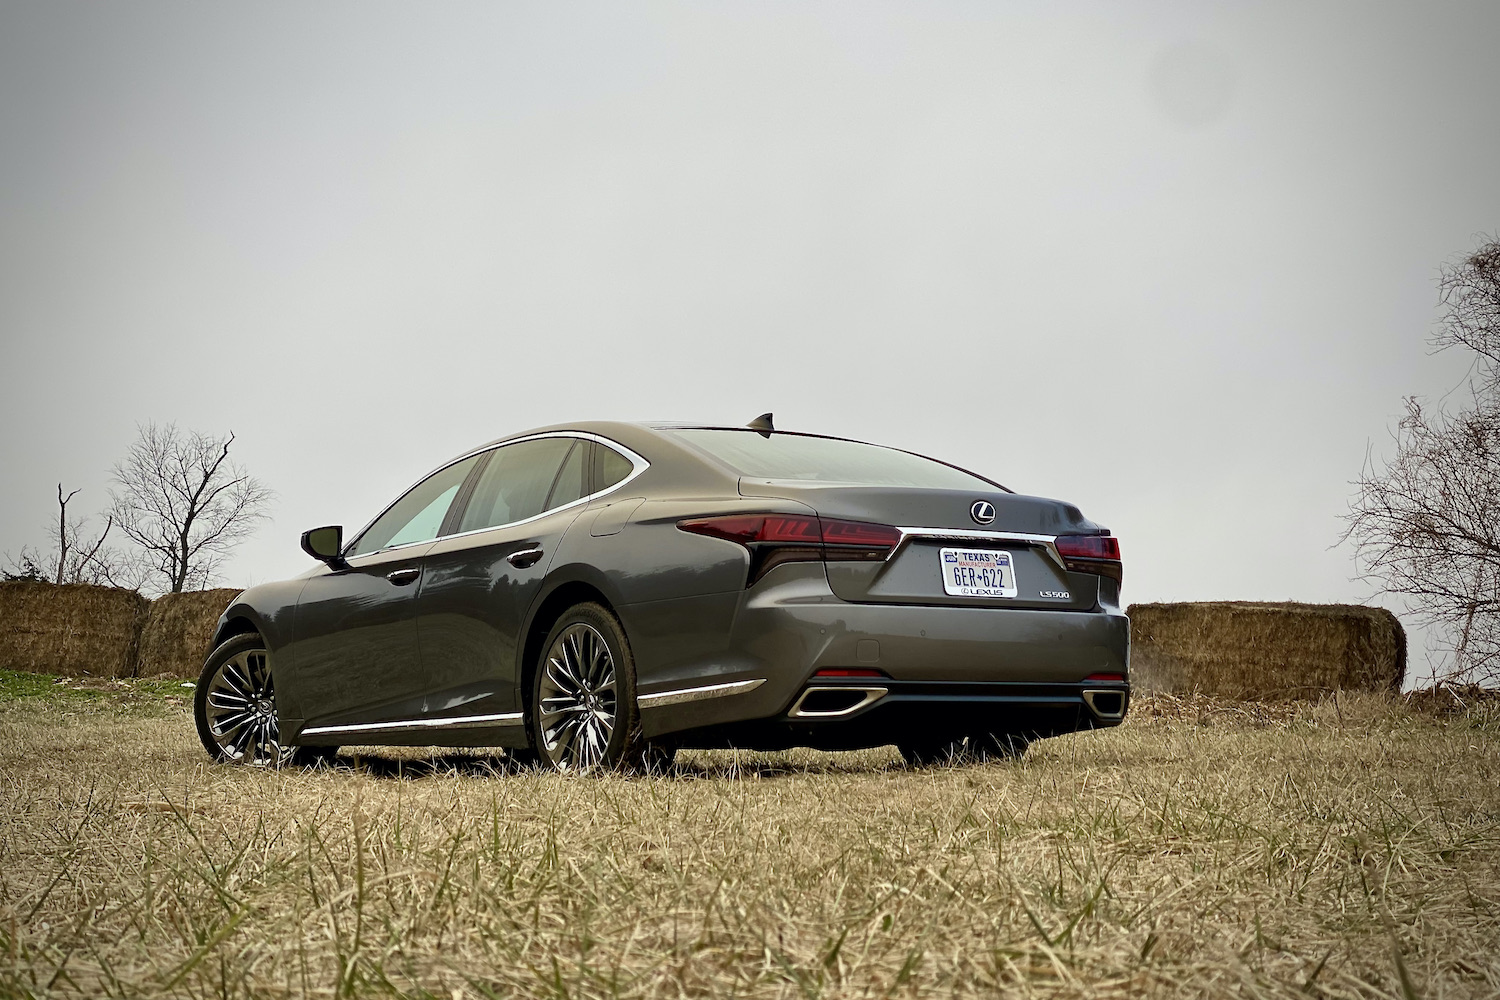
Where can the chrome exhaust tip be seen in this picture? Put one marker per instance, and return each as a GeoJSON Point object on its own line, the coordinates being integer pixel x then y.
{"type": "Point", "coordinates": [1107, 703]}
{"type": "Point", "coordinates": [832, 702]}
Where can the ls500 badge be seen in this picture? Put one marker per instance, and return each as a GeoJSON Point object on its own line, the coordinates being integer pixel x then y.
{"type": "Point", "coordinates": [1057, 595]}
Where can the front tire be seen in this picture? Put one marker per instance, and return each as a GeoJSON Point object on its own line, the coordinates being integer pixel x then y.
{"type": "Point", "coordinates": [582, 714]}
{"type": "Point", "coordinates": [234, 707]}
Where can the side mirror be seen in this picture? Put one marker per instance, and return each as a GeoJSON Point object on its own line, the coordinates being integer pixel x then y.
{"type": "Point", "coordinates": [325, 544]}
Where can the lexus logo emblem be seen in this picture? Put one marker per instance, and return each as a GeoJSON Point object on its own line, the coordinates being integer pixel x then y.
{"type": "Point", "coordinates": [983, 512]}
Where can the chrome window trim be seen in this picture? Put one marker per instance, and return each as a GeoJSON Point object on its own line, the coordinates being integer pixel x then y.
{"type": "Point", "coordinates": [637, 463]}
{"type": "Point", "coordinates": [451, 722]}
{"type": "Point", "coordinates": [703, 693]}
{"type": "Point", "coordinates": [1047, 543]}
{"type": "Point", "coordinates": [399, 497]}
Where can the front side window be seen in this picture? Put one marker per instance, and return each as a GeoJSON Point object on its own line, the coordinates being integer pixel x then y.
{"type": "Point", "coordinates": [518, 482]}
{"type": "Point", "coordinates": [418, 516]}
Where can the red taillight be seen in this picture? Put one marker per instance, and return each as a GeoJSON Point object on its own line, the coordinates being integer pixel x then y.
{"type": "Point", "coordinates": [857, 541]}
{"type": "Point", "coordinates": [860, 533]}
{"type": "Point", "coordinates": [747, 528]}
{"type": "Point", "coordinates": [1097, 554]}
{"type": "Point", "coordinates": [740, 529]}
{"type": "Point", "coordinates": [1088, 547]}
{"type": "Point", "coordinates": [845, 672]}
{"type": "Point", "coordinates": [777, 538]}
{"type": "Point", "coordinates": [791, 529]}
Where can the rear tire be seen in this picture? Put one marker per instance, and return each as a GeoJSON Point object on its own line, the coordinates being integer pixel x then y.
{"type": "Point", "coordinates": [582, 715]}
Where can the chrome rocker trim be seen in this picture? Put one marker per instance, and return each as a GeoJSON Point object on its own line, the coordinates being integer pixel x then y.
{"type": "Point", "coordinates": [703, 693]}
{"type": "Point", "coordinates": [452, 722]}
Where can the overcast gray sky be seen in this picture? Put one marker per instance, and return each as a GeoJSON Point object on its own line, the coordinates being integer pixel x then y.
{"type": "Point", "coordinates": [1173, 262]}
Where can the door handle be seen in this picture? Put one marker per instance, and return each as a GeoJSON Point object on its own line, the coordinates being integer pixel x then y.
{"type": "Point", "coordinates": [522, 558]}
{"type": "Point", "coordinates": [401, 577]}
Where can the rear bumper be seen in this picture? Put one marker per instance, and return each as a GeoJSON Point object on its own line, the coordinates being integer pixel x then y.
{"type": "Point", "coordinates": [943, 668]}
{"type": "Point", "coordinates": [914, 712]}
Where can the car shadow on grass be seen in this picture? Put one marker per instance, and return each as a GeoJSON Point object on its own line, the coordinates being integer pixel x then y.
{"type": "Point", "coordinates": [394, 765]}
{"type": "Point", "coordinates": [388, 763]}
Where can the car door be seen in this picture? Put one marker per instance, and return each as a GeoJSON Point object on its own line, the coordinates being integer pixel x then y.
{"type": "Point", "coordinates": [478, 584]}
{"type": "Point", "coordinates": [354, 631]}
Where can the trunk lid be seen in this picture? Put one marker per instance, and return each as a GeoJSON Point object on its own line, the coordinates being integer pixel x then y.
{"type": "Point", "coordinates": [936, 520]}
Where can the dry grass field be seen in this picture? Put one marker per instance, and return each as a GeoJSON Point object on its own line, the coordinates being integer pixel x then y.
{"type": "Point", "coordinates": [1347, 849]}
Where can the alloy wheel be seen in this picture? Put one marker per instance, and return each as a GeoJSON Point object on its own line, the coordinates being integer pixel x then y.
{"type": "Point", "coordinates": [578, 696]}
{"type": "Point", "coordinates": [241, 710]}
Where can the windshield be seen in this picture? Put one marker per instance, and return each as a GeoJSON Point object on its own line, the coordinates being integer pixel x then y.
{"type": "Point", "coordinates": [825, 460]}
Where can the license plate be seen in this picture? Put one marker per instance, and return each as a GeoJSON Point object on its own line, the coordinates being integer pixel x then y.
{"type": "Point", "coordinates": [978, 573]}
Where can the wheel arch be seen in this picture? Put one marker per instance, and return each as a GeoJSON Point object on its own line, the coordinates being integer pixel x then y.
{"type": "Point", "coordinates": [238, 620]}
{"type": "Point", "coordinates": [571, 589]}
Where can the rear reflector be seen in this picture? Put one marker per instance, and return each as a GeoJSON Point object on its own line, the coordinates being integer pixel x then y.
{"type": "Point", "coordinates": [1109, 678]}
{"type": "Point", "coordinates": [842, 672]}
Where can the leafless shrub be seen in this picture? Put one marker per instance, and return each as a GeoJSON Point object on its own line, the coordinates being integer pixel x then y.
{"type": "Point", "coordinates": [1427, 525]}
{"type": "Point", "coordinates": [180, 498]}
{"type": "Point", "coordinates": [1470, 296]}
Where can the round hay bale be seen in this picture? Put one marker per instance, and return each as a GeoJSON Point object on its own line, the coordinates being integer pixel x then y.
{"type": "Point", "coordinates": [1263, 651]}
{"type": "Point", "coordinates": [77, 629]}
{"type": "Point", "coordinates": [178, 631]}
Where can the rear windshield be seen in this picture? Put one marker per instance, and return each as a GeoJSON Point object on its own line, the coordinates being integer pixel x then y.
{"type": "Point", "coordinates": [826, 460]}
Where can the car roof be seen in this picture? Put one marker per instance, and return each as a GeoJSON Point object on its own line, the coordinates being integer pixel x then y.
{"type": "Point", "coordinates": [641, 436]}
{"type": "Point", "coordinates": [631, 432]}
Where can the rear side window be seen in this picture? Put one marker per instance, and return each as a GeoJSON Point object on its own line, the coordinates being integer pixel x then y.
{"type": "Point", "coordinates": [572, 478]}
{"type": "Point", "coordinates": [516, 483]}
{"type": "Point", "coordinates": [418, 516]}
{"type": "Point", "coordinates": [610, 467]}
{"type": "Point", "coordinates": [826, 460]}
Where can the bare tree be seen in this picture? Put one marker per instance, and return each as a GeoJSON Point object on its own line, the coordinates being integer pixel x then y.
{"type": "Point", "coordinates": [1470, 296]}
{"type": "Point", "coordinates": [75, 556]}
{"type": "Point", "coordinates": [184, 503]}
{"type": "Point", "coordinates": [84, 552]}
{"type": "Point", "coordinates": [1427, 525]}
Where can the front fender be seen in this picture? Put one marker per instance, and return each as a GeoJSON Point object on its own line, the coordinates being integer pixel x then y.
{"type": "Point", "coordinates": [267, 609]}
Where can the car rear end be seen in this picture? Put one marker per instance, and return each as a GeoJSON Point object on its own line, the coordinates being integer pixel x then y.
{"type": "Point", "coordinates": [933, 604]}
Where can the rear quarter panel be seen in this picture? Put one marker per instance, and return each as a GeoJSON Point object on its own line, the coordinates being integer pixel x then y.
{"type": "Point", "coordinates": [677, 593]}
